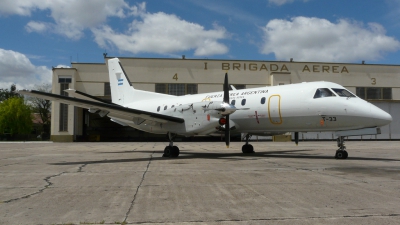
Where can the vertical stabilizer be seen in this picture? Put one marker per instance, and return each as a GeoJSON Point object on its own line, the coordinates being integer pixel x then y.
{"type": "Point", "coordinates": [121, 87]}
{"type": "Point", "coordinates": [122, 91]}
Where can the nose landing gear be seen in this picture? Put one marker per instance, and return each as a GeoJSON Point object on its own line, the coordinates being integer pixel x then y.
{"type": "Point", "coordinates": [341, 153]}
{"type": "Point", "coordinates": [247, 148]}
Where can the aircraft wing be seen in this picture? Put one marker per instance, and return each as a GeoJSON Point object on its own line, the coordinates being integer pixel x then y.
{"type": "Point", "coordinates": [116, 111]}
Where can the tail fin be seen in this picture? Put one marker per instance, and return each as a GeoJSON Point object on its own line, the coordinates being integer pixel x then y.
{"type": "Point", "coordinates": [122, 91]}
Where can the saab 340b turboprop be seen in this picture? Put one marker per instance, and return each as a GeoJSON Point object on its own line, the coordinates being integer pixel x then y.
{"type": "Point", "coordinates": [303, 107]}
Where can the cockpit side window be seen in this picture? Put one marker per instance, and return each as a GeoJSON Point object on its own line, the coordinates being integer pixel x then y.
{"type": "Point", "coordinates": [343, 92]}
{"type": "Point", "coordinates": [323, 92]}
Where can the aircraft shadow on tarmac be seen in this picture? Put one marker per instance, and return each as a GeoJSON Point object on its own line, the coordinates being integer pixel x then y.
{"type": "Point", "coordinates": [289, 154]}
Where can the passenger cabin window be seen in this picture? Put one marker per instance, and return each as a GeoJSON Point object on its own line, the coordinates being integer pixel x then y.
{"type": "Point", "coordinates": [243, 101]}
{"type": "Point", "coordinates": [233, 102]}
{"type": "Point", "coordinates": [158, 109]}
{"type": "Point", "coordinates": [323, 92]}
{"type": "Point", "coordinates": [343, 92]}
{"type": "Point", "coordinates": [165, 107]}
{"type": "Point", "coordinates": [263, 100]}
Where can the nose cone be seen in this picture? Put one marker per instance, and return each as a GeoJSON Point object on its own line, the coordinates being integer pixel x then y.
{"type": "Point", "coordinates": [381, 117]}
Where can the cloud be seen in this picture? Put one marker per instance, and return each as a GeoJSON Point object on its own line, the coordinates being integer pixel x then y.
{"type": "Point", "coordinates": [71, 17]}
{"type": "Point", "coordinates": [16, 68]}
{"type": "Point", "coordinates": [156, 33]}
{"type": "Point", "coordinates": [163, 34]}
{"type": "Point", "coordinates": [39, 27]}
{"type": "Point", "coordinates": [315, 39]}
{"type": "Point", "coordinates": [62, 66]}
{"type": "Point", "coordinates": [22, 7]}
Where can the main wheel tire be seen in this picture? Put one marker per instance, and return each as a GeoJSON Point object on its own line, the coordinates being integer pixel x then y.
{"type": "Point", "coordinates": [251, 149]}
{"type": "Point", "coordinates": [345, 154]}
{"type": "Point", "coordinates": [244, 148]}
{"type": "Point", "coordinates": [174, 152]}
{"type": "Point", "coordinates": [247, 149]}
{"type": "Point", "coordinates": [167, 151]}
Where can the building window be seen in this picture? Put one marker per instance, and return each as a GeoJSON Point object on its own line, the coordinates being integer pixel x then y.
{"type": "Point", "coordinates": [63, 122]}
{"type": "Point", "coordinates": [176, 89]}
{"type": "Point", "coordinates": [374, 93]}
{"type": "Point", "coordinates": [107, 89]}
{"type": "Point", "coordinates": [191, 89]}
{"type": "Point", "coordinates": [161, 88]}
{"type": "Point", "coordinates": [64, 80]}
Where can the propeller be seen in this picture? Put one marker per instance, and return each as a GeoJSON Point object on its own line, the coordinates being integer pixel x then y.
{"type": "Point", "coordinates": [226, 100]}
{"type": "Point", "coordinates": [296, 138]}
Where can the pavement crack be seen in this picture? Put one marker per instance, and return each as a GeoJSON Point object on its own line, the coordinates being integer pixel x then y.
{"type": "Point", "coordinates": [81, 167]}
{"type": "Point", "coordinates": [138, 187]}
{"type": "Point", "coordinates": [292, 220]}
{"type": "Point", "coordinates": [49, 184]}
{"type": "Point", "coordinates": [9, 164]}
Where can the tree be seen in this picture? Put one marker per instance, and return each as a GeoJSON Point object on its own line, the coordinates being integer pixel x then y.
{"type": "Point", "coordinates": [15, 116]}
{"type": "Point", "coordinates": [42, 107]}
{"type": "Point", "coordinates": [6, 94]}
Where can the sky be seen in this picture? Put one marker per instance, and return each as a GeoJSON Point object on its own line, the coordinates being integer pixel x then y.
{"type": "Point", "coordinates": [37, 35]}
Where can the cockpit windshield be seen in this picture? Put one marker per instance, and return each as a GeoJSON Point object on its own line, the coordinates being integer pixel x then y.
{"type": "Point", "coordinates": [324, 92]}
{"type": "Point", "coordinates": [343, 92]}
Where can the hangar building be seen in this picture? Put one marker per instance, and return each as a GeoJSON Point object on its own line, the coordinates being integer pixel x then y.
{"type": "Point", "coordinates": [378, 84]}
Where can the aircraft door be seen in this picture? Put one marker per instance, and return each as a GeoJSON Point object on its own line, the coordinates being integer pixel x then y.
{"type": "Point", "coordinates": [274, 109]}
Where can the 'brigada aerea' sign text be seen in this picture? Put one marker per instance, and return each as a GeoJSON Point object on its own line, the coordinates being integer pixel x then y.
{"type": "Point", "coordinates": [281, 68]}
{"type": "Point", "coordinates": [325, 69]}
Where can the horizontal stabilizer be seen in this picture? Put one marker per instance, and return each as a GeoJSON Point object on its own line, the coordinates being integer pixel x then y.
{"type": "Point", "coordinates": [81, 95]}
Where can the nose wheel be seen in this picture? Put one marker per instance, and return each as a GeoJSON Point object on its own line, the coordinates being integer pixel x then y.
{"type": "Point", "coordinates": [247, 148]}
{"type": "Point", "coordinates": [341, 153]}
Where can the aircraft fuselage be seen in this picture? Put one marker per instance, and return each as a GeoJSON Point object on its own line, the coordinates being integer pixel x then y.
{"type": "Point", "coordinates": [265, 110]}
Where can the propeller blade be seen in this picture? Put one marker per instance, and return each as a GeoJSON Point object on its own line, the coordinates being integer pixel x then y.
{"type": "Point", "coordinates": [226, 100]}
{"type": "Point", "coordinates": [226, 89]}
{"type": "Point", "coordinates": [227, 132]}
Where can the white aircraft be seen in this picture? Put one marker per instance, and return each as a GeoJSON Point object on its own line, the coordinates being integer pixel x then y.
{"type": "Point", "coordinates": [303, 107]}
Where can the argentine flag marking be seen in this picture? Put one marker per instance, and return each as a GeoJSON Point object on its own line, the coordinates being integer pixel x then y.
{"type": "Point", "coordinates": [120, 82]}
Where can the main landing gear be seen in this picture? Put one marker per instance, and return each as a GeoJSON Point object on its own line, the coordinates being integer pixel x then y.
{"type": "Point", "coordinates": [171, 150]}
{"type": "Point", "coordinates": [341, 153]}
{"type": "Point", "coordinates": [247, 148]}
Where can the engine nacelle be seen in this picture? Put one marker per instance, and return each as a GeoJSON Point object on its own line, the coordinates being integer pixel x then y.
{"type": "Point", "coordinates": [223, 107]}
